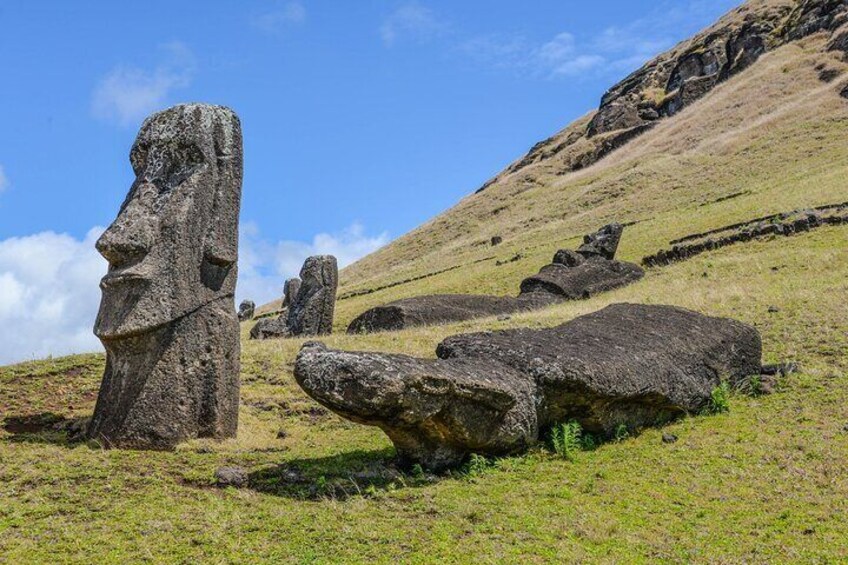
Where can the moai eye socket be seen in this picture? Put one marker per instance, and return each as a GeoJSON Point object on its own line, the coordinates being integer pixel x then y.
{"type": "Point", "coordinates": [181, 162]}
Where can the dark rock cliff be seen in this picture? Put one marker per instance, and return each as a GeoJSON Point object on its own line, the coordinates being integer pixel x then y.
{"type": "Point", "coordinates": [677, 78]}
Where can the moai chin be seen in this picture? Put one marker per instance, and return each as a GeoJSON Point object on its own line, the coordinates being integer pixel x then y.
{"type": "Point", "coordinates": [167, 316]}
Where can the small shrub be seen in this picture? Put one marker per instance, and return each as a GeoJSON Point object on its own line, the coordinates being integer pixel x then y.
{"type": "Point", "coordinates": [719, 399]}
{"type": "Point", "coordinates": [622, 432]}
{"type": "Point", "coordinates": [566, 439]}
{"type": "Point", "coordinates": [476, 465]}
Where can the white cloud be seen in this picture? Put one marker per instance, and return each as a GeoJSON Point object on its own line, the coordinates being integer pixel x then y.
{"type": "Point", "coordinates": [288, 14]}
{"type": "Point", "coordinates": [411, 20]}
{"type": "Point", "coordinates": [49, 295]}
{"type": "Point", "coordinates": [264, 266]}
{"type": "Point", "coordinates": [4, 180]}
{"type": "Point", "coordinates": [128, 94]}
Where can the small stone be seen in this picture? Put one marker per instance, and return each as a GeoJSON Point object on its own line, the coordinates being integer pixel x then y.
{"type": "Point", "coordinates": [231, 477]}
{"type": "Point", "coordinates": [282, 434]}
{"type": "Point", "coordinates": [669, 438]}
{"type": "Point", "coordinates": [504, 318]}
{"type": "Point", "coordinates": [497, 240]}
{"type": "Point", "coordinates": [773, 309]}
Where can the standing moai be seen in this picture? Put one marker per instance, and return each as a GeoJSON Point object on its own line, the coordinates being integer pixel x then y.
{"type": "Point", "coordinates": [247, 309]}
{"type": "Point", "coordinates": [167, 316]}
{"type": "Point", "coordinates": [290, 290]}
{"type": "Point", "coordinates": [311, 309]}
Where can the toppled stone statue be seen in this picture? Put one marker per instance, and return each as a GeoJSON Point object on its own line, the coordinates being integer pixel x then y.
{"type": "Point", "coordinates": [573, 275]}
{"type": "Point", "coordinates": [167, 317]}
{"type": "Point", "coordinates": [309, 302]}
{"type": "Point", "coordinates": [496, 393]}
{"type": "Point", "coordinates": [246, 310]}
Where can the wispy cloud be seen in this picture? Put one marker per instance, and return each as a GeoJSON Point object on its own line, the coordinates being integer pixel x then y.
{"type": "Point", "coordinates": [285, 15]}
{"type": "Point", "coordinates": [127, 94]}
{"type": "Point", "coordinates": [570, 54]}
{"type": "Point", "coordinates": [612, 51]}
{"type": "Point", "coordinates": [264, 265]}
{"type": "Point", "coordinates": [4, 180]}
{"type": "Point", "coordinates": [411, 20]}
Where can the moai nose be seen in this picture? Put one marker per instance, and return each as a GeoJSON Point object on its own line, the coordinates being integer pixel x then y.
{"type": "Point", "coordinates": [129, 238]}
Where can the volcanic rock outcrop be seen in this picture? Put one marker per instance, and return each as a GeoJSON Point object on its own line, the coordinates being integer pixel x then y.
{"type": "Point", "coordinates": [573, 275]}
{"type": "Point", "coordinates": [167, 317]}
{"type": "Point", "coordinates": [496, 393]}
{"type": "Point", "coordinates": [246, 310]}
{"type": "Point", "coordinates": [308, 305]}
{"type": "Point", "coordinates": [677, 78]}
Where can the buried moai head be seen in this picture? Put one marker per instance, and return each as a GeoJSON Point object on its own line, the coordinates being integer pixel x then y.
{"type": "Point", "coordinates": [290, 290]}
{"type": "Point", "coordinates": [602, 243]}
{"type": "Point", "coordinates": [174, 244]}
{"type": "Point", "coordinates": [246, 310]}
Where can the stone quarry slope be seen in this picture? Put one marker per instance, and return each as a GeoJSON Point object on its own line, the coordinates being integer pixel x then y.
{"type": "Point", "coordinates": [745, 119]}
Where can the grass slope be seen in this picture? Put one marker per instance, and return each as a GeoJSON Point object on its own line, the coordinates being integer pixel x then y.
{"type": "Point", "coordinates": [763, 483]}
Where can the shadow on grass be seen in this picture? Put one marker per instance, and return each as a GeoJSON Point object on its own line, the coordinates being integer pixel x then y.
{"type": "Point", "coordinates": [45, 428]}
{"type": "Point", "coordinates": [355, 473]}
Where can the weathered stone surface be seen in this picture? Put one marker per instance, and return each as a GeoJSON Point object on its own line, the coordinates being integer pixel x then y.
{"type": "Point", "coordinates": [290, 290]}
{"type": "Point", "coordinates": [231, 477]}
{"type": "Point", "coordinates": [573, 275]}
{"type": "Point", "coordinates": [602, 243]}
{"type": "Point", "coordinates": [568, 258]}
{"type": "Point", "coordinates": [435, 412]}
{"type": "Point", "coordinates": [442, 309]}
{"type": "Point", "coordinates": [270, 328]}
{"type": "Point", "coordinates": [246, 310]}
{"type": "Point", "coordinates": [583, 281]}
{"type": "Point", "coordinates": [311, 311]}
{"type": "Point", "coordinates": [497, 392]}
{"type": "Point", "coordinates": [167, 317]}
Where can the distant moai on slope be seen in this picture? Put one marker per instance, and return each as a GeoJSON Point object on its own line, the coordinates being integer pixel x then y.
{"type": "Point", "coordinates": [290, 290]}
{"type": "Point", "coordinates": [247, 309]}
{"type": "Point", "coordinates": [167, 316]}
{"type": "Point", "coordinates": [311, 311]}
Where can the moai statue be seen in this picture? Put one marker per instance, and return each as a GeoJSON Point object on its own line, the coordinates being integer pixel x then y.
{"type": "Point", "coordinates": [311, 310]}
{"type": "Point", "coordinates": [290, 290]}
{"type": "Point", "coordinates": [602, 243]}
{"type": "Point", "coordinates": [167, 316]}
{"type": "Point", "coordinates": [246, 310]}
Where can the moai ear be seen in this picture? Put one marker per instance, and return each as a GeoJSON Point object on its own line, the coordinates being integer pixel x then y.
{"type": "Point", "coordinates": [220, 250]}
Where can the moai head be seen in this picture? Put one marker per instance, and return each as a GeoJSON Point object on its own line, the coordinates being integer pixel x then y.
{"type": "Point", "coordinates": [290, 290]}
{"type": "Point", "coordinates": [174, 245]}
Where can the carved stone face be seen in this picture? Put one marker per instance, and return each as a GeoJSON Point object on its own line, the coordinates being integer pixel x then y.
{"type": "Point", "coordinates": [174, 245]}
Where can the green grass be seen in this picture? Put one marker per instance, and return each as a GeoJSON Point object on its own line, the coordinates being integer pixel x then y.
{"type": "Point", "coordinates": [762, 483]}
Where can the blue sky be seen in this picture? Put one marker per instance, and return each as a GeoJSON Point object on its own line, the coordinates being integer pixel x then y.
{"type": "Point", "coordinates": [361, 120]}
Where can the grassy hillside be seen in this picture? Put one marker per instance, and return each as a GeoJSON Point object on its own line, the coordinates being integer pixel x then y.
{"type": "Point", "coordinates": [763, 483]}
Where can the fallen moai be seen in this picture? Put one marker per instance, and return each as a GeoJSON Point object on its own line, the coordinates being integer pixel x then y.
{"type": "Point", "coordinates": [246, 310]}
{"type": "Point", "coordinates": [167, 317]}
{"type": "Point", "coordinates": [309, 302]}
{"type": "Point", "coordinates": [573, 275]}
{"type": "Point", "coordinates": [496, 393]}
